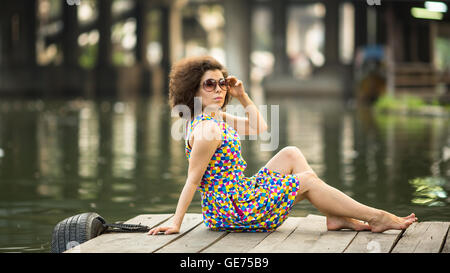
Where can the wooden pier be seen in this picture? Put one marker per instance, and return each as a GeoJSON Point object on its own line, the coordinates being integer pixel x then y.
{"type": "Point", "coordinates": [296, 235]}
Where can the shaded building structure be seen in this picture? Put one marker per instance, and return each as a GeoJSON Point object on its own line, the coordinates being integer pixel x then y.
{"type": "Point", "coordinates": [403, 45]}
{"type": "Point", "coordinates": [291, 47]}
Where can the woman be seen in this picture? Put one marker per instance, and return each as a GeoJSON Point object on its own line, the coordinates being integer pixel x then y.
{"type": "Point", "coordinates": [231, 201]}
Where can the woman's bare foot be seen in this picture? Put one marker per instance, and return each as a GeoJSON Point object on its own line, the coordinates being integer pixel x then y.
{"type": "Point", "coordinates": [385, 220]}
{"type": "Point", "coordinates": [337, 223]}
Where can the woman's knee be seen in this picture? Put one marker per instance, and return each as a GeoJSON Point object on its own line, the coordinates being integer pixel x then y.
{"type": "Point", "coordinates": [292, 152]}
{"type": "Point", "coordinates": [308, 179]}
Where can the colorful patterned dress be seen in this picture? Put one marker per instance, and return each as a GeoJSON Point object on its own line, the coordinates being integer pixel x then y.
{"type": "Point", "coordinates": [233, 202]}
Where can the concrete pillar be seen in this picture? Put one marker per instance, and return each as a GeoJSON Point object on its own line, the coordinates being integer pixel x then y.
{"type": "Point", "coordinates": [281, 66]}
{"type": "Point", "coordinates": [424, 53]}
{"type": "Point", "coordinates": [166, 60]}
{"type": "Point", "coordinates": [381, 25]}
{"type": "Point", "coordinates": [2, 37]}
{"type": "Point", "coordinates": [5, 36]}
{"type": "Point", "coordinates": [165, 37]}
{"type": "Point", "coordinates": [413, 42]}
{"type": "Point", "coordinates": [332, 32]}
{"type": "Point", "coordinates": [175, 27]}
{"type": "Point", "coordinates": [360, 23]}
{"type": "Point", "coordinates": [19, 26]}
{"type": "Point", "coordinates": [104, 27]}
{"type": "Point", "coordinates": [237, 41]}
{"type": "Point", "coordinates": [70, 34]}
{"type": "Point", "coordinates": [372, 25]}
{"type": "Point", "coordinates": [432, 37]}
{"type": "Point", "coordinates": [106, 77]}
{"type": "Point", "coordinates": [30, 32]}
{"type": "Point", "coordinates": [390, 50]}
{"type": "Point", "coordinates": [140, 14]}
{"type": "Point", "coordinates": [141, 10]}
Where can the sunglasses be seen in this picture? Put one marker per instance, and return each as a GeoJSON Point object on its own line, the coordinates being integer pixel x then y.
{"type": "Point", "coordinates": [211, 84]}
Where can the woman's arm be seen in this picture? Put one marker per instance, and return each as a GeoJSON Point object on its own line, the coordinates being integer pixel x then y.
{"type": "Point", "coordinates": [207, 137]}
{"type": "Point", "coordinates": [254, 122]}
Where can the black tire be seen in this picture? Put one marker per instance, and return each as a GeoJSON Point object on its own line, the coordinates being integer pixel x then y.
{"type": "Point", "coordinates": [76, 230]}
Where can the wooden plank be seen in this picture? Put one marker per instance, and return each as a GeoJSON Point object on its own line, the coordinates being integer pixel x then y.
{"type": "Point", "coordinates": [297, 234]}
{"type": "Point", "coordinates": [424, 237]}
{"type": "Point", "coordinates": [194, 241]}
{"type": "Point", "coordinates": [308, 231]}
{"type": "Point", "coordinates": [315, 216]}
{"type": "Point", "coordinates": [278, 236]}
{"type": "Point", "coordinates": [333, 242]}
{"type": "Point", "coordinates": [312, 236]}
{"type": "Point", "coordinates": [368, 242]}
{"type": "Point", "coordinates": [150, 220]}
{"type": "Point", "coordinates": [138, 242]}
{"type": "Point", "coordinates": [237, 242]}
{"type": "Point", "coordinates": [446, 248]}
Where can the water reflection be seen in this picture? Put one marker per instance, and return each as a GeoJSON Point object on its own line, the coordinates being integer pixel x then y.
{"type": "Point", "coordinates": [60, 158]}
{"type": "Point", "coordinates": [124, 139]}
{"type": "Point", "coordinates": [88, 141]}
{"type": "Point", "coordinates": [429, 191]}
{"type": "Point", "coordinates": [49, 152]}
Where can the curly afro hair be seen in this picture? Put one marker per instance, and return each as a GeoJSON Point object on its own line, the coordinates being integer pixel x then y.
{"type": "Point", "coordinates": [185, 77]}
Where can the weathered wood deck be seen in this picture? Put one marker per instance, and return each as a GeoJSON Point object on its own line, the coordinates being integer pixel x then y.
{"type": "Point", "coordinates": [296, 235]}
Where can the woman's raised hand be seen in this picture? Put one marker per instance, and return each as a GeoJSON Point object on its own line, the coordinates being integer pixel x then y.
{"type": "Point", "coordinates": [236, 87]}
{"type": "Point", "coordinates": [166, 230]}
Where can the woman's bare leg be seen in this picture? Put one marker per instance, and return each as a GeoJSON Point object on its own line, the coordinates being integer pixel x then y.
{"type": "Point", "coordinates": [290, 160]}
{"type": "Point", "coordinates": [339, 208]}
{"type": "Point", "coordinates": [331, 201]}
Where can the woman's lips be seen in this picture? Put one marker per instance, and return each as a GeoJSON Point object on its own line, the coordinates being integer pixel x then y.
{"type": "Point", "coordinates": [218, 98]}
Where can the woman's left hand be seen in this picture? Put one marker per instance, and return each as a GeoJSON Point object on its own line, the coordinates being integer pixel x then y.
{"type": "Point", "coordinates": [236, 87]}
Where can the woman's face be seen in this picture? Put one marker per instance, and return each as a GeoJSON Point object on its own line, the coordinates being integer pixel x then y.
{"type": "Point", "coordinates": [212, 96]}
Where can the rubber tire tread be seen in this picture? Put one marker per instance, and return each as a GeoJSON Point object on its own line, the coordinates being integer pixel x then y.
{"type": "Point", "coordinates": [79, 228]}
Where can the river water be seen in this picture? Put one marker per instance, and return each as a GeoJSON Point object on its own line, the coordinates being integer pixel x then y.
{"type": "Point", "coordinates": [118, 158]}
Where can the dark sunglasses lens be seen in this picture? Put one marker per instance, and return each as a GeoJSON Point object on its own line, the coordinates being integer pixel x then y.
{"type": "Point", "coordinates": [223, 84]}
{"type": "Point", "coordinates": [210, 85]}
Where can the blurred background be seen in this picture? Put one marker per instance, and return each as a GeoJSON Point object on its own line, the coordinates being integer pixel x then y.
{"type": "Point", "coordinates": [362, 86]}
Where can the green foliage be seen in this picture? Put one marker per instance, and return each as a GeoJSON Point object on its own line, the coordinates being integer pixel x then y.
{"type": "Point", "coordinates": [404, 102]}
{"type": "Point", "coordinates": [387, 102]}
{"type": "Point", "coordinates": [412, 102]}
{"type": "Point", "coordinates": [88, 57]}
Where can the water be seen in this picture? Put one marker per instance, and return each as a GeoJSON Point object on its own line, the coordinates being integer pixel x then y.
{"type": "Point", "coordinates": [117, 158]}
